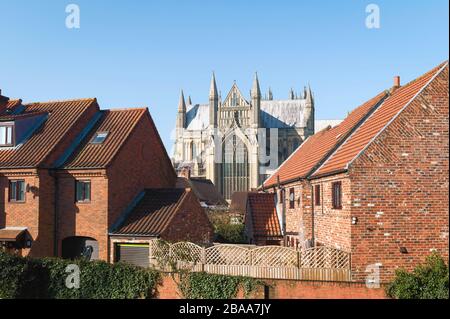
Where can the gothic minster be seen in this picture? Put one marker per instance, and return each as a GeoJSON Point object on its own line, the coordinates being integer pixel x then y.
{"type": "Point", "coordinates": [224, 141]}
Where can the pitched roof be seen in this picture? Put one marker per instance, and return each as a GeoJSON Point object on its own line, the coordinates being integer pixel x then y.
{"type": "Point", "coordinates": [368, 130]}
{"type": "Point", "coordinates": [118, 124]}
{"type": "Point", "coordinates": [316, 147]}
{"type": "Point", "coordinates": [204, 189]}
{"type": "Point", "coordinates": [62, 116]}
{"type": "Point", "coordinates": [12, 104]}
{"type": "Point", "coordinates": [13, 117]}
{"type": "Point", "coordinates": [264, 218]}
{"type": "Point", "coordinates": [153, 212]}
{"type": "Point", "coordinates": [239, 202]}
{"type": "Point", "coordinates": [11, 233]}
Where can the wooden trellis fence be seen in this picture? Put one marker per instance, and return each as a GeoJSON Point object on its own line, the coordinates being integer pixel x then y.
{"type": "Point", "coordinates": [270, 262]}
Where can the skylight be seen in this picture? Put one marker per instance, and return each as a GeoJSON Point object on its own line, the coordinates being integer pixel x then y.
{"type": "Point", "coordinates": [99, 137]}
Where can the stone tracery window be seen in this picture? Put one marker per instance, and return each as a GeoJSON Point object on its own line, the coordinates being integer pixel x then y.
{"type": "Point", "coordinates": [235, 167]}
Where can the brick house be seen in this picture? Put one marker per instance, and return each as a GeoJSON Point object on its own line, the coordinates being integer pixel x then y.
{"type": "Point", "coordinates": [69, 170]}
{"type": "Point", "coordinates": [376, 185]}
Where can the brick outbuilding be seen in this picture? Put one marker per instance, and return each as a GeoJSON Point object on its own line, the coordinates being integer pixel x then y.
{"type": "Point", "coordinates": [262, 224]}
{"type": "Point", "coordinates": [376, 185]}
{"type": "Point", "coordinates": [169, 214]}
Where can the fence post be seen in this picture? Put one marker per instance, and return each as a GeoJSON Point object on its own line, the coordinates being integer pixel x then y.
{"type": "Point", "coordinates": [299, 261]}
{"type": "Point", "coordinates": [150, 253]}
{"type": "Point", "coordinates": [203, 259]}
{"type": "Point", "coordinates": [251, 271]}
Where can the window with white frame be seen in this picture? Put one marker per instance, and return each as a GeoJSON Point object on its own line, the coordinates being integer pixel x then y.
{"type": "Point", "coordinates": [6, 135]}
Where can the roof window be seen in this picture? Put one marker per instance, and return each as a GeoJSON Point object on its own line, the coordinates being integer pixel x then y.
{"type": "Point", "coordinates": [99, 137]}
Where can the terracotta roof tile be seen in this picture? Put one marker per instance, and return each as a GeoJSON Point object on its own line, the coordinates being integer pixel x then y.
{"type": "Point", "coordinates": [264, 217]}
{"type": "Point", "coordinates": [12, 117]}
{"type": "Point", "coordinates": [312, 151]}
{"type": "Point", "coordinates": [153, 213]}
{"type": "Point", "coordinates": [12, 104]}
{"type": "Point", "coordinates": [375, 123]}
{"type": "Point", "coordinates": [63, 115]}
{"type": "Point", "coordinates": [119, 124]}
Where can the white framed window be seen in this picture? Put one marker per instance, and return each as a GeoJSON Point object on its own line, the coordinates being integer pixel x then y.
{"type": "Point", "coordinates": [6, 135]}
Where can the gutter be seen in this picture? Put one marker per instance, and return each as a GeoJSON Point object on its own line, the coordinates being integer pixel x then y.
{"type": "Point", "coordinates": [313, 239]}
{"type": "Point", "coordinates": [52, 173]}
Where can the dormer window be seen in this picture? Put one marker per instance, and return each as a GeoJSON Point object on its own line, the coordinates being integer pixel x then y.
{"type": "Point", "coordinates": [15, 129]}
{"type": "Point", "coordinates": [99, 137]}
{"type": "Point", "coordinates": [6, 134]}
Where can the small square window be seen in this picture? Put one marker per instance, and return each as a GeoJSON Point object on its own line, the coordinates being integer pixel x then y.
{"type": "Point", "coordinates": [17, 191]}
{"type": "Point", "coordinates": [82, 191]}
{"type": "Point", "coordinates": [99, 137]}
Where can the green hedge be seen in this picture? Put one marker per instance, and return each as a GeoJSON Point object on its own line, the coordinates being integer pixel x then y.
{"type": "Point", "coordinates": [427, 281]}
{"type": "Point", "coordinates": [201, 285]}
{"type": "Point", "coordinates": [46, 278]}
{"type": "Point", "coordinates": [230, 233]}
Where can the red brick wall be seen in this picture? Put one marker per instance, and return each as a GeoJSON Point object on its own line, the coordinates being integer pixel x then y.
{"type": "Point", "coordinates": [290, 289]}
{"type": "Point", "coordinates": [332, 227]}
{"type": "Point", "coordinates": [20, 214]}
{"type": "Point", "coordinates": [287, 289]}
{"type": "Point", "coordinates": [141, 163]}
{"type": "Point", "coordinates": [299, 218]}
{"type": "Point", "coordinates": [190, 224]}
{"type": "Point", "coordinates": [401, 184]}
{"type": "Point", "coordinates": [36, 213]}
{"type": "Point", "coordinates": [84, 219]}
{"type": "Point", "coordinates": [44, 243]}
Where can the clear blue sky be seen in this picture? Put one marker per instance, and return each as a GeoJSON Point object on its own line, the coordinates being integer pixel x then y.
{"type": "Point", "coordinates": [141, 53]}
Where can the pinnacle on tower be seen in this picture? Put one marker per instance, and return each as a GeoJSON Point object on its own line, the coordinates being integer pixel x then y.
{"type": "Point", "coordinates": [256, 91]}
{"type": "Point", "coordinates": [182, 103]}
{"type": "Point", "coordinates": [213, 88]}
{"type": "Point", "coordinates": [309, 95]}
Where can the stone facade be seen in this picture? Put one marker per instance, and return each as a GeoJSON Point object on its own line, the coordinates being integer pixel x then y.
{"type": "Point", "coordinates": [209, 137]}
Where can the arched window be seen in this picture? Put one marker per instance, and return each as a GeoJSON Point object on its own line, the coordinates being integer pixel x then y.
{"type": "Point", "coordinates": [193, 150]}
{"type": "Point", "coordinates": [235, 168]}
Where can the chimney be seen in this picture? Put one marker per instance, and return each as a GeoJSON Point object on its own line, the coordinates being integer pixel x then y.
{"type": "Point", "coordinates": [185, 172]}
{"type": "Point", "coordinates": [3, 102]}
{"type": "Point", "coordinates": [396, 82]}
